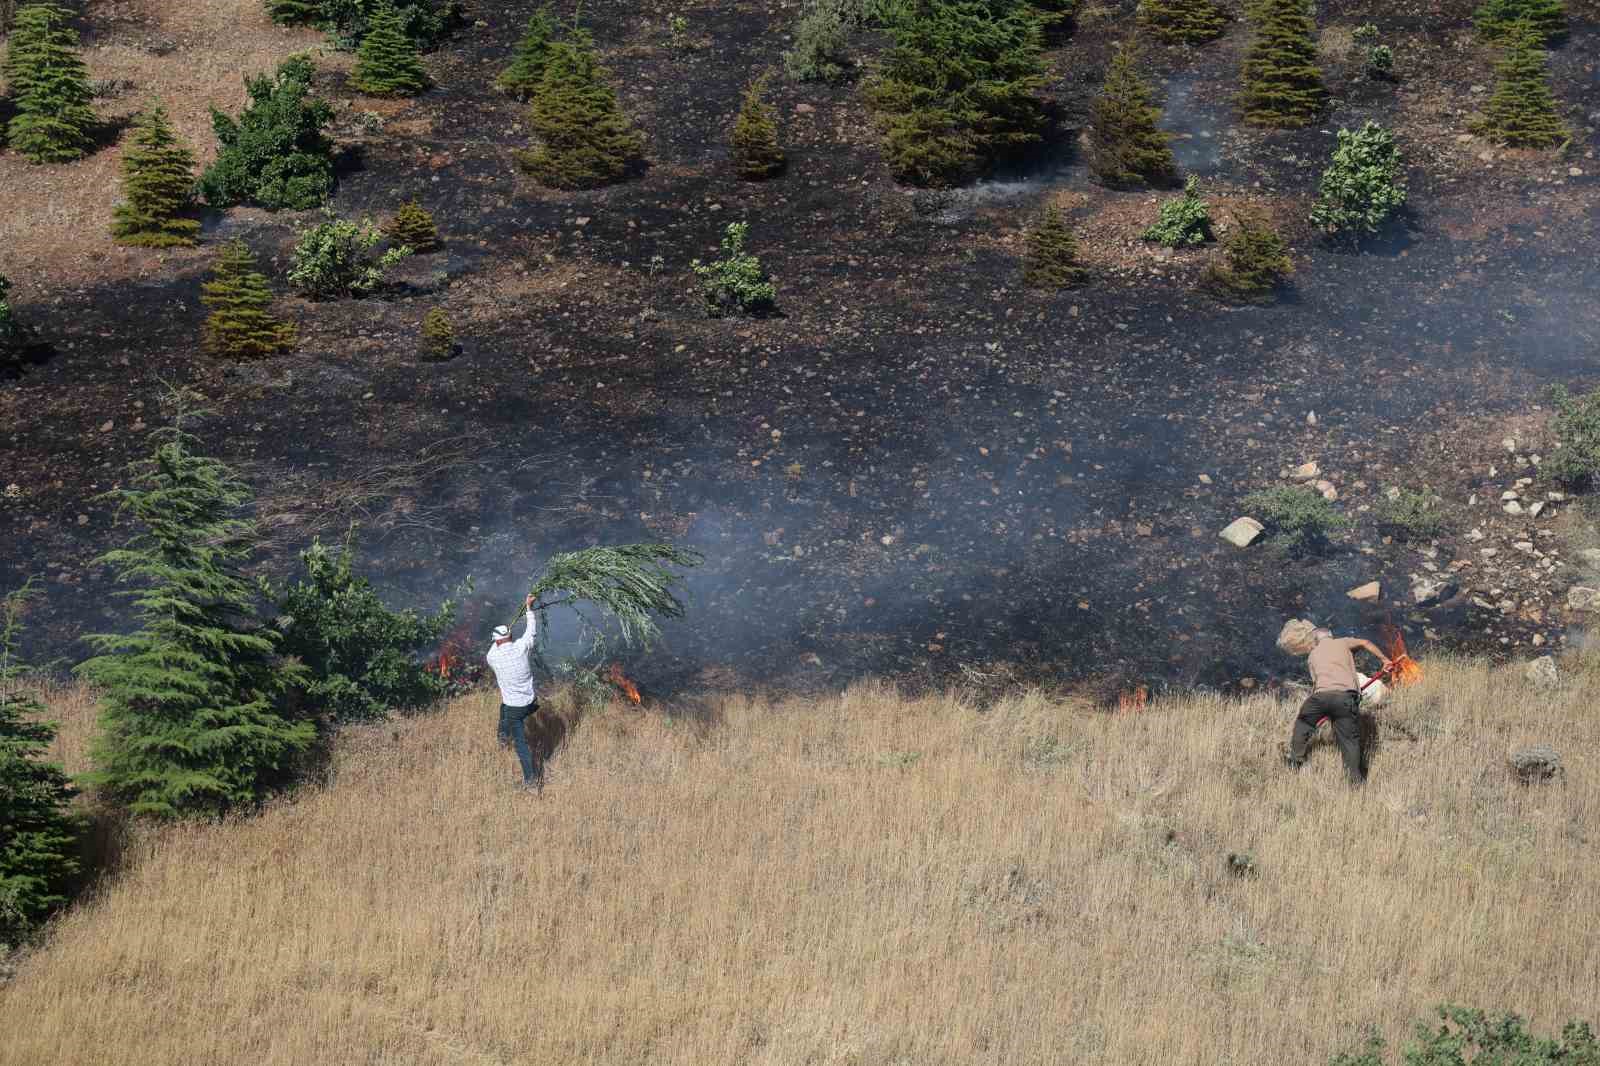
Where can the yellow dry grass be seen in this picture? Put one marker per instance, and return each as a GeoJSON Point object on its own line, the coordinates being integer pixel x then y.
{"type": "Point", "coordinates": [860, 878]}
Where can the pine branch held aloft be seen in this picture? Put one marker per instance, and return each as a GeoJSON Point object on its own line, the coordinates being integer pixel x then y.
{"type": "Point", "coordinates": [633, 585]}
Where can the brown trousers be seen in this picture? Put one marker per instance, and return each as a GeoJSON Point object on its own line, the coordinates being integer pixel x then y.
{"type": "Point", "coordinates": [1343, 710]}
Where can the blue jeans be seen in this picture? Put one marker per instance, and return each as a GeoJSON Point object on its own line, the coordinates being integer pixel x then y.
{"type": "Point", "coordinates": [513, 730]}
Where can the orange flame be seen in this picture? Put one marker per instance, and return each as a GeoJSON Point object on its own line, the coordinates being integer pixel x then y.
{"type": "Point", "coordinates": [1404, 670]}
{"type": "Point", "coordinates": [619, 679]}
{"type": "Point", "coordinates": [1133, 702]}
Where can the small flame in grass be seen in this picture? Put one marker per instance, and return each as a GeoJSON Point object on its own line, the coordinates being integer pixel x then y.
{"type": "Point", "coordinates": [619, 679]}
{"type": "Point", "coordinates": [1405, 670]}
{"type": "Point", "coordinates": [1134, 701]}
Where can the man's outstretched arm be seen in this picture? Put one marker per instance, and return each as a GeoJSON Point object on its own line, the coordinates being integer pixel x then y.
{"type": "Point", "coordinates": [525, 641]}
{"type": "Point", "coordinates": [1374, 649]}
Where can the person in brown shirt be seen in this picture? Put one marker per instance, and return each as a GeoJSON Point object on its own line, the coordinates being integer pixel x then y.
{"type": "Point", "coordinates": [1334, 696]}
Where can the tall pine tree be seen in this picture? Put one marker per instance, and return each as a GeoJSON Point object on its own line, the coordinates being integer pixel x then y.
{"type": "Point", "coordinates": [157, 185]}
{"type": "Point", "coordinates": [1182, 21]}
{"type": "Point", "coordinates": [38, 832]}
{"type": "Point", "coordinates": [757, 155]}
{"type": "Point", "coordinates": [1522, 111]}
{"type": "Point", "coordinates": [190, 707]}
{"type": "Point", "coordinates": [239, 326]}
{"type": "Point", "coordinates": [388, 63]}
{"type": "Point", "coordinates": [1282, 83]}
{"type": "Point", "coordinates": [585, 139]}
{"type": "Point", "coordinates": [49, 86]}
{"type": "Point", "coordinates": [1125, 145]}
{"type": "Point", "coordinates": [521, 78]}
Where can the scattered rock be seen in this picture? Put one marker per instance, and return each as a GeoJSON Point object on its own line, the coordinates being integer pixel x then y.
{"type": "Point", "coordinates": [1509, 444]}
{"type": "Point", "coordinates": [1542, 673]}
{"type": "Point", "coordinates": [1329, 493]}
{"type": "Point", "coordinates": [1574, 172]}
{"type": "Point", "coordinates": [1590, 556]}
{"type": "Point", "coordinates": [1242, 532]}
{"type": "Point", "coordinates": [804, 109]}
{"type": "Point", "coordinates": [1512, 507]}
{"type": "Point", "coordinates": [1366, 593]}
{"type": "Point", "coordinates": [1583, 598]}
{"type": "Point", "coordinates": [1536, 508]}
{"type": "Point", "coordinates": [1510, 494]}
{"type": "Point", "coordinates": [1307, 471]}
{"type": "Point", "coordinates": [1478, 90]}
{"type": "Point", "coordinates": [1537, 763]}
{"type": "Point", "coordinates": [1205, 479]}
{"type": "Point", "coordinates": [1429, 590]}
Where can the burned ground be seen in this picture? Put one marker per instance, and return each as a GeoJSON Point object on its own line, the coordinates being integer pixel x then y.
{"type": "Point", "coordinates": [918, 468]}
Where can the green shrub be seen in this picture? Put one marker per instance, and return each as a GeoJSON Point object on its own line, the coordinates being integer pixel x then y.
{"type": "Point", "coordinates": [1282, 83]}
{"type": "Point", "coordinates": [157, 187]}
{"type": "Point", "coordinates": [239, 326]}
{"type": "Point", "coordinates": [1183, 222]}
{"type": "Point", "coordinates": [1126, 147]}
{"type": "Point", "coordinates": [522, 76]}
{"type": "Point", "coordinates": [334, 258]}
{"type": "Point", "coordinates": [1296, 518]}
{"type": "Point", "coordinates": [1577, 430]}
{"type": "Point", "coordinates": [15, 338]}
{"type": "Point", "coordinates": [387, 62]}
{"type": "Point", "coordinates": [585, 140]}
{"type": "Point", "coordinates": [1522, 111]}
{"type": "Point", "coordinates": [275, 155]}
{"type": "Point", "coordinates": [1489, 1041]}
{"type": "Point", "coordinates": [361, 658]}
{"type": "Point", "coordinates": [49, 86]}
{"type": "Point", "coordinates": [821, 50]}
{"type": "Point", "coordinates": [38, 831]}
{"type": "Point", "coordinates": [756, 152]}
{"type": "Point", "coordinates": [438, 335]}
{"type": "Point", "coordinates": [1362, 187]}
{"type": "Point", "coordinates": [1505, 20]}
{"type": "Point", "coordinates": [190, 700]}
{"type": "Point", "coordinates": [959, 89]}
{"type": "Point", "coordinates": [295, 12]}
{"type": "Point", "coordinates": [1051, 260]}
{"type": "Point", "coordinates": [427, 22]}
{"type": "Point", "coordinates": [413, 227]}
{"type": "Point", "coordinates": [1377, 58]}
{"type": "Point", "coordinates": [736, 283]}
{"type": "Point", "coordinates": [1410, 515]}
{"type": "Point", "coordinates": [1182, 21]}
{"type": "Point", "coordinates": [1255, 260]}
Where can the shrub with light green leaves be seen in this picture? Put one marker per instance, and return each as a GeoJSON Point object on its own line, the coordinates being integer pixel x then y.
{"type": "Point", "coordinates": [1363, 186]}
{"type": "Point", "coordinates": [334, 258]}
{"type": "Point", "coordinates": [1577, 431]}
{"type": "Point", "coordinates": [1410, 515]}
{"type": "Point", "coordinates": [737, 283]}
{"type": "Point", "coordinates": [1183, 222]}
{"type": "Point", "coordinates": [1297, 519]}
{"type": "Point", "coordinates": [1473, 1036]}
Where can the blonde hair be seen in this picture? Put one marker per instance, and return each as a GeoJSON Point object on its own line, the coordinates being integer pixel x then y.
{"type": "Point", "coordinates": [1298, 636]}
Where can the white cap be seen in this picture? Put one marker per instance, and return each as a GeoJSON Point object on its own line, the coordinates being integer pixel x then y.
{"type": "Point", "coordinates": [501, 632]}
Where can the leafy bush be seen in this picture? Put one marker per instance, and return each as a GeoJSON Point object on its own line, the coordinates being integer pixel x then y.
{"type": "Point", "coordinates": [1297, 518]}
{"type": "Point", "coordinates": [1410, 515]}
{"type": "Point", "coordinates": [1522, 112]}
{"type": "Point", "coordinates": [334, 258]}
{"type": "Point", "coordinates": [438, 335]}
{"type": "Point", "coordinates": [426, 22]}
{"type": "Point", "coordinates": [387, 62]}
{"type": "Point", "coordinates": [1377, 58]}
{"type": "Point", "coordinates": [190, 718]}
{"type": "Point", "coordinates": [756, 152]}
{"type": "Point", "coordinates": [736, 283]}
{"type": "Point", "coordinates": [361, 658]}
{"type": "Point", "coordinates": [1505, 20]}
{"type": "Point", "coordinates": [1052, 255]}
{"type": "Point", "coordinates": [1126, 146]}
{"type": "Point", "coordinates": [522, 76]}
{"type": "Point", "coordinates": [38, 831]}
{"type": "Point", "coordinates": [240, 326]}
{"type": "Point", "coordinates": [158, 187]}
{"type": "Point", "coordinates": [1282, 81]}
{"type": "Point", "coordinates": [275, 155]}
{"type": "Point", "coordinates": [1183, 222]}
{"type": "Point", "coordinates": [1577, 429]}
{"type": "Point", "coordinates": [1362, 187]}
{"type": "Point", "coordinates": [585, 140]}
{"type": "Point", "coordinates": [1255, 260]}
{"type": "Point", "coordinates": [14, 336]}
{"type": "Point", "coordinates": [1492, 1041]}
{"type": "Point", "coordinates": [49, 86]}
{"type": "Point", "coordinates": [959, 90]}
{"type": "Point", "coordinates": [821, 49]}
{"type": "Point", "coordinates": [1182, 21]}
{"type": "Point", "coordinates": [413, 227]}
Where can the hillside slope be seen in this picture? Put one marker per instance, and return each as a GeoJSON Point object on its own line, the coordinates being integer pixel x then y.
{"type": "Point", "coordinates": [860, 878]}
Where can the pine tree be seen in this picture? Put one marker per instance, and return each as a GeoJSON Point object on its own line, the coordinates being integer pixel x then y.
{"type": "Point", "coordinates": [15, 338]}
{"type": "Point", "coordinates": [1522, 111]}
{"type": "Point", "coordinates": [585, 140]}
{"type": "Point", "coordinates": [521, 78]}
{"type": "Point", "coordinates": [1255, 260]}
{"type": "Point", "coordinates": [413, 227]}
{"type": "Point", "coordinates": [158, 186]}
{"type": "Point", "coordinates": [388, 63]}
{"type": "Point", "coordinates": [276, 154]}
{"type": "Point", "coordinates": [756, 152]}
{"type": "Point", "coordinates": [239, 326]}
{"type": "Point", "coordinates": [1506, 20]}
{"type": "Point", "coordinates": [38, 832]}
{"type": "Point", "coordinates": [959, 90]}
{"type": "Point", "coordinates": [295, 12]}
{"type": "Point", "coordinates": [438, 335]}
{"type": "Point", "coordinates": [189, 718]}
{"type": "Point", "coordinates": [1052, 254]}
{"type": "Point", "coordinates": [1282, 82]}
{"type": "Point", "coordinates": [1182, 21]}
{"type": "Point", "coordinates": [50, 87]}
{"type": "Point", "coordinates": [1125, 145]}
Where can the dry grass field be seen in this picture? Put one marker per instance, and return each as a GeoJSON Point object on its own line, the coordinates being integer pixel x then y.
{"type": "Point", "coordinates": [860, 878]}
